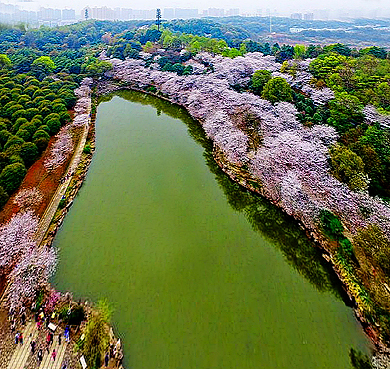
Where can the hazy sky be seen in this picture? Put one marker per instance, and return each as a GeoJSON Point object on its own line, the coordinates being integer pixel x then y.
{"type": "Point", "coordinates": [283, 6]}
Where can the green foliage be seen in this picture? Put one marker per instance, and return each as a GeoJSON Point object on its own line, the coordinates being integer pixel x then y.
{"type": "Point", "coordinates": [345, 112]}
{"type": "Point", "coordinates": [331, 225]}
{"type": "Point", "coordinates": [348, 167]}
{"type": "Point", "coordinates": [29, 153]}
{"type": "Point", "coordinates": [12, 176]}
{"type": "Point", "coordinates": [359, 360]}
{"type": "Point", "coordinates": [54, 126]}
{"type": "Point", "coordinates": [259, 80]}
{"type": "Point", "coordinates": [96, 334]}
{"type": "Point", "coordinates": [5, 61]}
{"type": "Point", "coordinates": [375, 246]}
{"type": "Point", "coordinates": [3, 197]}
{"type": "Point", "coordinates": [277, 89]}
{"type": "Point", "coordinates": [87, 149]}
{"type": "Point", "coordinates": [73, 316]}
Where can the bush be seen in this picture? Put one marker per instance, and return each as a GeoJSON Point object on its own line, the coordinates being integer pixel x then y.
{"type": "Point", "coordinates": [277, 89]}
{"type": "Point", "coordinates": [12, 176]}
{"type": "Point", "coordinates": [331, 225]}
{"type": "Point", "coordinates": [73, 317]}
{"type": "Point", "coordinates": [87, 149]}
{"type": "Point", "coordinates": [3, 197]}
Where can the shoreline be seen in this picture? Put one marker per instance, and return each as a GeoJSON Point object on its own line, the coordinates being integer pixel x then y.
{"type": "Point", "coordinates": [382, 354]}
{"type": "Point", "coordinates": [238, 175]}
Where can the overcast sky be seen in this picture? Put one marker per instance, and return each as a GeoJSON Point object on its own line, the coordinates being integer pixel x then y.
{"type": "Point", "coordinates": [281, 6]}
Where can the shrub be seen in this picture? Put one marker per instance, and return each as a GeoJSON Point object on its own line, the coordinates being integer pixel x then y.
{"type": "Point", "coordinates": [331, 225]}
{"type": "Point", "coordinates": [12, 176]}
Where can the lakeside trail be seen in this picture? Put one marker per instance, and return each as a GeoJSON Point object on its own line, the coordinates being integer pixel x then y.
{"type": "Point", "coordinates": [47, 217]}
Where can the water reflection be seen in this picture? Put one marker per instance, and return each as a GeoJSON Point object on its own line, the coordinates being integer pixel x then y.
{"type": "Point", "coordinates": [273, 224]}
{"type": "Point", "coordinates": [265, 218]}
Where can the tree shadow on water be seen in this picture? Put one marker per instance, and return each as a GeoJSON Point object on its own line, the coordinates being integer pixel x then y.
{"type": "Point", "coordinates": [270, 221]}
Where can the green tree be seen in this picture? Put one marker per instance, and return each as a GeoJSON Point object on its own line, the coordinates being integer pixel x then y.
{"type": "Point", "coordinates": [259, 79]}
{"type": "Point", "coordinates": [29, 153]}
{"type": "Point", "coordinates": [97, 334]}
{"type": "Point", "coordinates": [383, 95]}
{"type": "Point", "coordinates": [3, 197]}
{"type": "Point", "coordinates": [348, 167]}
{"type": "Point", "coordinates": [5, 61]}
{"type": "Point", "coordinates": [12, 176]}
{"type": "Point", "coordinates": [277, 89]}
{"type": "Point", "coordinates": [299, 51]}
{"type": "Point", "coordinates": [359, 360]}
{"type": "Point", "coordinates": [345, 112]}
{"type": "Point", "coordinates": [42, 66]}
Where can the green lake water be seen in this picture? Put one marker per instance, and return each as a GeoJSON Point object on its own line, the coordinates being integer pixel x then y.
{"type": "Point", "coordinates": [201, 273]}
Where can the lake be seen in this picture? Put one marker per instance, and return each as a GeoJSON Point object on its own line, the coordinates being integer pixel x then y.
{"type": "Point", "coordinates": [200, 272]}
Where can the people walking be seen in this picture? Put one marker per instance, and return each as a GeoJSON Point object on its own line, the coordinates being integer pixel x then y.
{"type": "Point", "coordinates": [40, 355]}
{"type": "Point", "coordinates": [53, 355]}
{"type": "Point", "coordinates": [16, 338]}
{"type": "Point", "coordinates": [59, 339]}
{"type": "Point", "coordinates": [32, 344]}
{"type": "Point", "coordinates": [23, 318]}
{"type": "Point", "coordinates": [67, 333]}
{"type": "Point", "coordinates": [21, 338]}
{"type": "Point", "coordinates": [106, 359]}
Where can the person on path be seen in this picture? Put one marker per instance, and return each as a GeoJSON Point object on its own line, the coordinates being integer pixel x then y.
{"type": "Point", "coordinates": [53, 355]}
{"type": "Point", "coordinates": [63, 366]}
{"type": "Point", "coordinates": [23, 317]}
{"type": "Point", "coordinates": [40, 355]}
{"type": "Point", "coordinates": [67, 333]}
{"type": "Point", "coordinates": [16, 338]}
{"type": "Point", "coordinates": [106, 358]}
{"type": "Point", "coordinates": [21, 338]}
{"type": "Point", "coordinates": [51, 338]}
{"type": "Point", "coordinates": [48, 338]}
{"type": "Point", "coordinates": [13, 326]}
{"type": "Point", "coordinates": [32, 344]}
{"type": "Point", "coordinates": [59, 339]}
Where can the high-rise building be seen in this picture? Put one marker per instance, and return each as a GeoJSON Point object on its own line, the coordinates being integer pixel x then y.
{"type": "Point", "coordinates": [68, 14]}
{"type": "Point", "coordinates": [296, 16]}
{"type": "Point", "coordinates": [232, 12]}
{"type": "Point", "coordinates": [214, 12]}
{"type": "Point", "coordinates": [308, 16]}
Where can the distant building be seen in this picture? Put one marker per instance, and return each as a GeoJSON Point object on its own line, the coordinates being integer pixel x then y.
{"type": "Point", "coordinates": [296, 16]}
{"type": "Point", "coordinates": [214, 12]}
{"type": "Point", "coordinates": [232, 12]}
{"type": "Point", "coordinates": [308, 16]}
{"type": "Point", "coordinates": [68, 14]}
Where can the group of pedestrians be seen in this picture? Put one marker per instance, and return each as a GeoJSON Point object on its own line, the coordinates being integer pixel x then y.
{"type": "Point", "coordinates": [13, 317]}
{"type": "Point", "coordinates": [41, 320]}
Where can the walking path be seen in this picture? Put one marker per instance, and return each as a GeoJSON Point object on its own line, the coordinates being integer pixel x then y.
{"type": "Point", "coordinates": [52, 207]}
{"type": "Point", "coordinates": [23, 351]}
{"type": "Point", "coordinates": [48, 362]}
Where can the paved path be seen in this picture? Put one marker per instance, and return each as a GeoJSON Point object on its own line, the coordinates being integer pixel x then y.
{"type": "Point", "coordinates": [48, 362]}
{"type": "Point", "coordinates": [22, 352]}
{"type": "Point", "coordinates": [52, 207]}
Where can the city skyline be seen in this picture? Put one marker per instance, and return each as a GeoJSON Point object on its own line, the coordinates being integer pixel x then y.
{"type": "Point", "coordinates": [282, 7]}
